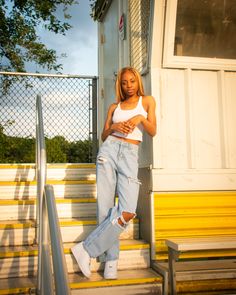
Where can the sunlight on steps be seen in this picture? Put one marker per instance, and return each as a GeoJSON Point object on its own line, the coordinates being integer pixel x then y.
{"type": "Point", "coordinates": [75, 192]}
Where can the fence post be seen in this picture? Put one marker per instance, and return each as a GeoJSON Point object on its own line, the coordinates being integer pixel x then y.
{"type": "Point", "coordinates": [94, 120]}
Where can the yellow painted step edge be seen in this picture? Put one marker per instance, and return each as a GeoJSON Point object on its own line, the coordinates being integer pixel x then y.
{"type": "Point", "coordinates": [208, 286]}
{"type": "Point", "coordinates": [49, 166]}
{"type": "Point", "coordinates": [58, 201]}
{"type": "Point", "coordinates": [26, 253]}
{"type": "Point", "coordinates": [85, 222]}
{"type": "Point", "coordinates": [19, 225]}
{"type": "Point", "coordinates": [15, 254]}
{"type": "Point", "coordinates": [107, 283]}
{"type": "Point", "coordinates": [198, 255]}
{"type": "Point", "coordinates": [17, 166]}
{"type": "Point", "coordinates": [62, 223]}
{"type": "Point", "coordinates": [193, 194]}
{"type": "Point", "coordinates": [23, 290]}
{"type": "Point", "coordinates": [71, 166]}
{"type": "Point", "coordinates": [17, 202]}
{"type": "Point", "coordinates": [217, 285]}
{"type": "Point", "coordinates": [90, 284]}
{"type": "Point", "coordinates": [56, 182]}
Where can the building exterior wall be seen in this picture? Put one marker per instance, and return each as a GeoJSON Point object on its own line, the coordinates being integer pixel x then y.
{"type": "Point", "coordinates": [194, 169]}
{"type": "Point", "coordinates": [192, 159]}
{"type": "Point", "coordinates": [108, 62]}
{"type": "Point", "coordinates": [195, 106]}
{"type": "Point", "coordinates": [114, 53]}
{"type": "Point", "coordinates": [196, 130]}
{"type": "Point", "coordinates": [195, 148]}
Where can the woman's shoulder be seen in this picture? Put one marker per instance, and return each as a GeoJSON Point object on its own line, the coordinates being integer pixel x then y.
{"type": "Point", "coordinates": [112, 108]}
{"type": "Point", "coordinates": [148, 101]}
{"type": "Point", "coordinates": [148, 98]}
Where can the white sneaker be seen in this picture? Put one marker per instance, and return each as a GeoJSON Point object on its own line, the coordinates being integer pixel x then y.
{"type": "Point", "coordinates": [110, 271]}
{"type": "Point", "coordinates": [83, 259]}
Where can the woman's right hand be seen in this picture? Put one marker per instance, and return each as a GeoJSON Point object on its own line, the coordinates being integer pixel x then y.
{"type": "Point", "coordinates": [122, 127]}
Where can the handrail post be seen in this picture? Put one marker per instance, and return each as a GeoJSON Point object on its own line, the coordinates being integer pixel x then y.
{"type": "Point", "coordinates": [59, 262]}
{"type": "Point", "coordinates": [41, 180]}
{"type": "Point", "coordinates": [47, 222]}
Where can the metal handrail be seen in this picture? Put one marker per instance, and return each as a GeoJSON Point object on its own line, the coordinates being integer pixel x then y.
{"type": "Point", "coordinates": [48, 229]}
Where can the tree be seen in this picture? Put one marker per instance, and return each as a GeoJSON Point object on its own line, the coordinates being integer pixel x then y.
{"type": "Point", "coordinates": [15, 149]}
{"type": "Point", "coordinates": [57, 148]}
{"type": "Point", "coordinates": [19, 42]}
{"type": "Point", "coordinates": [79, 151]}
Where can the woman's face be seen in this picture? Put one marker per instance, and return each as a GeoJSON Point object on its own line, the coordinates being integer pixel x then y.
{"type": "Point", "coordinates": [129, 84]}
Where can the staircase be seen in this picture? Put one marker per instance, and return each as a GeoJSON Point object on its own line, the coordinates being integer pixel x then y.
{"type": "Point", "coordinates": [75, 192]}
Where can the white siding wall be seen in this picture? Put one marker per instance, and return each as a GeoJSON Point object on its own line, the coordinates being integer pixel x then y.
{"type": "Point", "coordinates": [198, 119]}
{"type": "Point", "coordinates": [108, 62]}
{"type": "Point", "coordinates": [172, 129]}
{"type": "Point", "coordinates": [195, 146]}
{"type": "Point", "coordinates": [204, 114]}
{"type": "Point", "coordinates": [196, 138]}
{"type": "Point", "coordinates": [230, 118]}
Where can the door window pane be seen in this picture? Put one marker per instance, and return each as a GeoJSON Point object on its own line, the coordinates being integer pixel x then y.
{"type": "Point", "coordinates": [206, 28]}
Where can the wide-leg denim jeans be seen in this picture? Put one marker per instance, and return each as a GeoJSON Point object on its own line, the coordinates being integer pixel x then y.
{"type": "Point", "coordinates": [117, 170]}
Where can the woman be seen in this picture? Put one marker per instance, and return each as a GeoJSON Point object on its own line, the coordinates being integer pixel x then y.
{"type": "Point", "coordinates": [117, 170]}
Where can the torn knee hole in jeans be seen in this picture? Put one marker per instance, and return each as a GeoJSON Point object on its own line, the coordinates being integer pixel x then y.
{"type": "Point", "coordinates": [116, 222]}
{"type": "Point", "coordinates": [134, 180]}
{"type": "Point", "coordinates": [102, 160]}
{"type": "Point", "coordinates": [121, 221]}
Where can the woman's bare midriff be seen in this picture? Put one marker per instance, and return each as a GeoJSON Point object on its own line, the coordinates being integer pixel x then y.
{"type": "Point", "coordinates": [127, 140]}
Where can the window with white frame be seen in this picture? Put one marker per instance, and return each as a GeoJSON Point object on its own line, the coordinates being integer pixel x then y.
{"type": "Point", "coordinates": [200, 34]}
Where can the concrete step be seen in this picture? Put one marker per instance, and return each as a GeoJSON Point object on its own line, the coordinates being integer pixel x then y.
{"type": "Point", "coordinates": [21, 261]}
{"type": "Point", "coordinates": [19, 190]}
{"type": "Point", "coordinates": [22, 232]}
{"type": "Point", "coordinates": [26, 172]}
{"type": "Point", "coordinates": [66, 208]}
{"type": "Point", "coordinates": [201, 269]}
{"type": "Point", "coordinates": [144, 281]}
{"type": "Point", "coordinates": [202, 275]}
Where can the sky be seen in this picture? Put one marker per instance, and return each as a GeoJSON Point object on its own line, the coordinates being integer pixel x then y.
{"type": "Point", "coordinates": [79, 44]}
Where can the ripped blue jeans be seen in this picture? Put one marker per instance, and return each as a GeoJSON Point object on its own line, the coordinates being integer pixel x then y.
{"type": "Point", "coordinates": [117, 170]}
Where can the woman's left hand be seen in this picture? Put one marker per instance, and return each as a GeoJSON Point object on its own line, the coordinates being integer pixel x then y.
{"type": "Point", "coordinates": [134, 121]}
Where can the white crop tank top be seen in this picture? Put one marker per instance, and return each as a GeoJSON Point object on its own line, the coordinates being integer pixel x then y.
{"type": "Point", "coordinates": [120, 115]}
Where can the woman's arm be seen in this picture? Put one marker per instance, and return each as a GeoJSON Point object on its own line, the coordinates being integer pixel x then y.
{"type": "Point", "coordinates": [149, 124]}
{"type": "Point", "coordinates": [107, 126]}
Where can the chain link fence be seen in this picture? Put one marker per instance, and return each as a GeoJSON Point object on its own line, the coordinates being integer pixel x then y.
{"type": "Point", "coordinates": [139, 27]}
{"type": "Point", "coordinates": [69, 111]}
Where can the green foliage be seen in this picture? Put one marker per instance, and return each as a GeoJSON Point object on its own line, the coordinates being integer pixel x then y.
{"type": "Point", "coordinates": [59, 150]}
{"type": "Point", "coordinates": [16, 149]}
{"type": "Point", "coordinates": [19, 150]}
{"type": "Point", "coordinates": [19, 42]}
{"type": "Point", "coordinates": [79, 151]}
